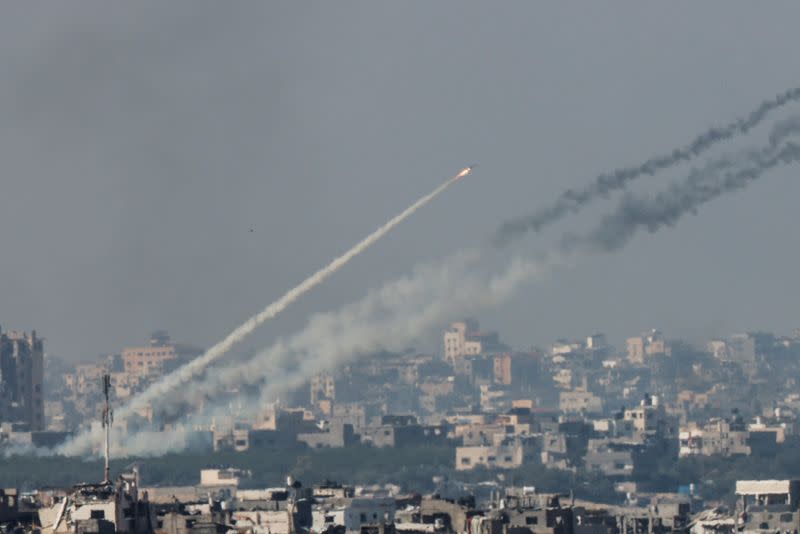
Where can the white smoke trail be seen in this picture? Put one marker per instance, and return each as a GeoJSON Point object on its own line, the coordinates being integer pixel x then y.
{"type": "Point", "coordinates": [386, 318]}
{"type": "Point", "coordinates": [389, 317]}
{"type": "Point", "coordinates": [81, 444]}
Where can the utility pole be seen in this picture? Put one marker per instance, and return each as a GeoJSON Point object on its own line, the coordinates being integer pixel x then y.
{"type": "Point", "coordinates": [108, 418]}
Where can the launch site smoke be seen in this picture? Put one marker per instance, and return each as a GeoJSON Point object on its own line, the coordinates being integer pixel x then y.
{"type": "Point", "coordinates": [193, 369]}
{"type": "Point", "coordinates": [573, 200]}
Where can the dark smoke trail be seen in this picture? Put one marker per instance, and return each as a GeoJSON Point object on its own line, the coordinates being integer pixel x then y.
{"type": "Point", "coordinates": [667, 207]}
{"type": "Point", "coordinates": [572, 200]}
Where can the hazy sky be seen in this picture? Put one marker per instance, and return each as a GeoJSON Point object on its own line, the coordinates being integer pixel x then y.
{"type": "Point", "coordinates": [140, 142]}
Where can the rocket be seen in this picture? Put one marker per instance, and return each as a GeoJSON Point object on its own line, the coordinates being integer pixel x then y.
{"type": "Point", "coordinates": [465, 171]}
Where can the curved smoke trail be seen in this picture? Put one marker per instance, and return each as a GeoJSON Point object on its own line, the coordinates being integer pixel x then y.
{"type": "Point", "coordinates": [572, 200]}
{"type": "Point", "coordinates": [82, 443]}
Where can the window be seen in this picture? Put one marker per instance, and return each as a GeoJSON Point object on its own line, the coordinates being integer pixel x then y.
{"type": "Point", "coordinates": [97, 514]}
{"type": "Point", "coordinates": [465, 461]}
{"type": "Point", "coordinates": [531, 520]}
{"type": "Point", "coordinates": [787, 518]}
{"type": "Point", "coordinates": [507, 459]}
{"type": "Point", "coordinates": [490, 459]}
{"type": "Point", "coordinates": [363, 518]}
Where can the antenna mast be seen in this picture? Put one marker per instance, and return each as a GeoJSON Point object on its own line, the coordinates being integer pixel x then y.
{"type": "Point", "coordinates": [108, 418]}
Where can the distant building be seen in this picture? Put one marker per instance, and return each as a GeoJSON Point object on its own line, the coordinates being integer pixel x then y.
{"type": "Point", "coordinates": [21, 379]}
{"type": "Point", "coordinates": [740, 348]}
{"type": "Point", "coordinates": [509, 454]}
{"type": "Point", "coordinates": [718, 348]}
{"type": "Point", "coordinates": [502, 369]}
{"type": "Point", "coordinates": [323, 387]}
{"type": "Point", "coordinates": [464, 339]}
{"type": "Point", "coordinates": [150, 360]}
{"type": "Point", "coordinates": [334, 435]}
{"type": "Point", "coordinates": [455, 341]}
{"type": "Point", "coordinates": [215, 478]}
{"type": "Point", "coordinates": [494, 399]}
{"type": "Point", "coordinates": [719, 437]}
{"type": "Point", "coordinates": [353, 414]}
{"type": "Point", "coordinates": [563, 347]}
{"type": "Point", "coordinates": [368, 514]}
{"type": "Point", "coordinates": [768, 505]}
{"type": "Point", "coordinates": [650, 419]}
{"type": "Point", "coordinates": [596, 341]}
{"type": "Point", "coordinates": [104, 508]}
{"type": "Point", "coordinates": [580, 401]}
{"type": "Point", "coordinates": [649, 344]}
{"type": "Point", "coordinates": [611, 458]}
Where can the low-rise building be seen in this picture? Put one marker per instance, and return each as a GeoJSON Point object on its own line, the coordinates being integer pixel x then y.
{"type": "Point", "coordinates": [149, 360]}
{"type": "Point", "coordinates": [333, 435]}
{"type": "Point", "coordinates": [580, 401]}
{"type": "Point", "coordinates": [768, 505]}
{"type": "Point", "coordinates": [508, 454]}
{"type": "Point", "coordinates": [718, 437]}
{"type": "Point", "coordinates": [611, 458]}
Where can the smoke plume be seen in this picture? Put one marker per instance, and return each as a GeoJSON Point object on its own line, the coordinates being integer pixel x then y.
{"type": "Point", "coordinates": [388, 318]}
{"type": "Point", "coordinates": [391, 316]}
{"type": "Point", "coordinates": [192, 369]}
{"type": "Point", "coordinates": [573, 200]}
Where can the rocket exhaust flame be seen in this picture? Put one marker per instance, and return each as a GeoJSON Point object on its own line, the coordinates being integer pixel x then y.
{"type": "Point", "coordinates": [82, 443]}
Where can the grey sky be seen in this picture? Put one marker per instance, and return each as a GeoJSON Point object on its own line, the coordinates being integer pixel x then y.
{"type": "Point", "coordinates": [140, 142]}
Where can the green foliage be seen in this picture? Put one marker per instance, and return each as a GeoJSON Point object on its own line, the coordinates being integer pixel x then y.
{"type": "Point", "coordinates": [413, 467]}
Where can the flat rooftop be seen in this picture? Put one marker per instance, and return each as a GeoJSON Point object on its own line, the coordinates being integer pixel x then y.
{"type": "Point", "coordinates": [765, 487]}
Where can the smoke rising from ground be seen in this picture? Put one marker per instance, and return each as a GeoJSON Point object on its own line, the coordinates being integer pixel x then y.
{"type": "Point", "coordinates": [191, 370]}
{"type": "Point", "coordinates": [573, 199]}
